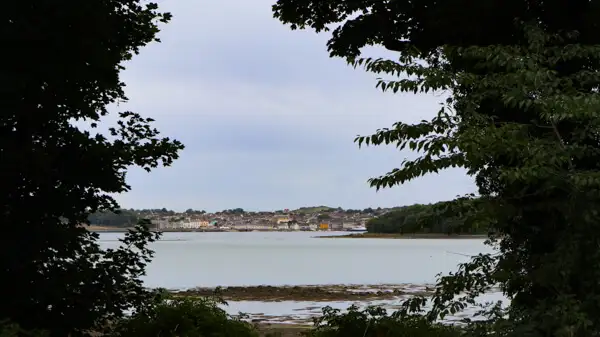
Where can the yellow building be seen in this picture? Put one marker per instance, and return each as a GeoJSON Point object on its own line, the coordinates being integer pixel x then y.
{"type": "Point", "coordinates": [324, 226]}
{"type": "Point", "coordinates": [203, 223]}
{"type": "Point", "coordinates": [283, 220]}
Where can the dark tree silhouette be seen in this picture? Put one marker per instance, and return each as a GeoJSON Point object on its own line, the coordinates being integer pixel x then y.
{"type": "Point", "coordinates": [62, 65]}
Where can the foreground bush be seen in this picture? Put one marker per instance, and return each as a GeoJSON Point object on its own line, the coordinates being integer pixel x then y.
{"type": "Point", "coordinates": [11, 329]}
{"type": "Point", "coordinates": [196, 317]}
{"type": "Point", "coordinates": [184, 317]}
{"type": "Point", "coordinates": [375, 322]}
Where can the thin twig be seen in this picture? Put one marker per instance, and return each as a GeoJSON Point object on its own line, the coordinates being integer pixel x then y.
{"type": "Point", "coordinates": [560, 140]}
{"type": "Point", "coordinates": [460, 254]}
{"type": "Point", "coordinates": [366, 328]}
{"type": "Point", "coordinates": [562, 143]}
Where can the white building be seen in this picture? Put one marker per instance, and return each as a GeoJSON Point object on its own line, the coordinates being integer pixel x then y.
{"type": "Point", "coordinates": [191, 224]}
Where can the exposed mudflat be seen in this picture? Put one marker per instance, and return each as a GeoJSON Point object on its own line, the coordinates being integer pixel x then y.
{"type": "Point", "coordinates": [314, 293]}
{"type": "Point", "coordinates": [303, 312]}
{"type": "Point", "coordinates": [288, 311]}
{"type": "Point", "coordinates": [281, 329]}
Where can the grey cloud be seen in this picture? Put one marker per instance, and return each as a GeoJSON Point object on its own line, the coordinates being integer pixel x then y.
{"type": "Point", "coordinates": [231, 136]}
{"type": "Point", "coordinates": [217, 40]}
{"type": "Point", "coordinates": [264, 182]}
{"type": "Point", "coordinates": [267, 118]}
{"type": "Point", "coordinates": [263, 61]}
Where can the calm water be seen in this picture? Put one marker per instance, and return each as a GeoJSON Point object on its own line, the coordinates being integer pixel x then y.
{"type": "Point", "coordinates": [185, 260]}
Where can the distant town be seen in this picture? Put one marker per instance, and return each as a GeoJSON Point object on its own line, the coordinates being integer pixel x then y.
{"type": "Point", "coordinates": [303, 219]}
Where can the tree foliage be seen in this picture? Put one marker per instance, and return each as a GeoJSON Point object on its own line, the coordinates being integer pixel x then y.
{"type": "Point", "coordinates": [375, 322]}
{"type": "Point", "coordinates": [432, 218]}
{"type": "Point", "coordinates": [120, 218]}
{"type": "Point", "coordinates": [234, 211]}
{"type": "Point", "coordinates": [62, 71]}
{"type": "Point", "coordinates": [184, 317]}
{"type": "Point", "coordinates": [521, 119]}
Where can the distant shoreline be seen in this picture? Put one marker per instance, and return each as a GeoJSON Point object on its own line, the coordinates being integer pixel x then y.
{"type": "Point", "coordinates": [403, 236]}
{"type": "Point", "coordinates": [318, 234]}
{"type": "Point", "coordinates": [105, 229]}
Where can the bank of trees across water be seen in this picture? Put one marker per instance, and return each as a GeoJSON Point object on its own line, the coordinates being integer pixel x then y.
{"type": "Point", "coordinates": [422, 219]}
{"type": "Point", "coordinates": [121, 218]}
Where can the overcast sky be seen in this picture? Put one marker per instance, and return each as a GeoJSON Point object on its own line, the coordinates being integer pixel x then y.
{"type": "Point", "coordinates": [267, 118]}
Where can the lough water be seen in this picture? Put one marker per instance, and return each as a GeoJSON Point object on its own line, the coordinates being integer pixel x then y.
{"type": "Point", "coordinates": [185, 260]}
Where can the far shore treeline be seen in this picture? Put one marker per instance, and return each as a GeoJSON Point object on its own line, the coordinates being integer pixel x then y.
{"type": "Point", "coordinates": [123, 218]}
{"type": "Point", "coordinates": [419, 218]}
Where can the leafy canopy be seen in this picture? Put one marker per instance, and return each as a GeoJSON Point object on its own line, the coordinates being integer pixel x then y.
{"type": "Point", "coordinates": [521, 119]}
{"type": "Point", "coordinates": [63, 66]}
{"type": "Point", "coordinates": [180, 316]}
